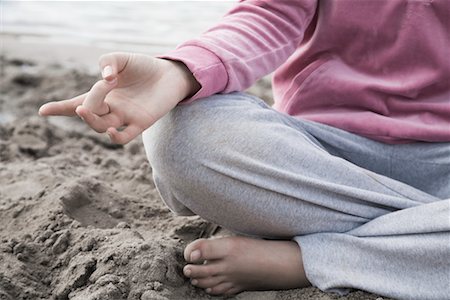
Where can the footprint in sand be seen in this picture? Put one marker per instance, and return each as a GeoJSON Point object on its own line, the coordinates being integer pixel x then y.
{"type": "Point", "coordinates": [83, 201]}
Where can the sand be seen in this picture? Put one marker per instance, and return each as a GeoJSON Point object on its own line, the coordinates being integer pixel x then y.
{"type": "Point", "coordinates": [80, 218]}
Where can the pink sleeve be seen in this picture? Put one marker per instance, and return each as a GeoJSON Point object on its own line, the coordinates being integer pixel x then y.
{"type": "Point", "coordinates": [252, 40]}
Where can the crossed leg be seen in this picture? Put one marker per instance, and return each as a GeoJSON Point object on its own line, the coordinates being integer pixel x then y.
{"type": "Point", "coordinates": [236, 162]}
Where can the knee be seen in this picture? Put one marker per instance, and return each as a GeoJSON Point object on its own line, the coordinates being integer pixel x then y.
{"type": "Point", "coordinates": [191, 132]}
{"type": "Point", "coordinates": [181, 137]}
{"type": "Point", "coordinates": [177, 144]}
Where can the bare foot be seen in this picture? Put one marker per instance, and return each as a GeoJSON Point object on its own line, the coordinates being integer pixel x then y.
{"type": "Point", "coordinates": [234, 264]}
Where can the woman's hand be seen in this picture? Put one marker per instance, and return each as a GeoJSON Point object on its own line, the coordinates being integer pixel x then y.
{"type": "Point", "coordinates": [135, 92]}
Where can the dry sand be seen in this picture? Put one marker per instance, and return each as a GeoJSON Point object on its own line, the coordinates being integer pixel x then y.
{"type": "Point", "coordinates": [80, 218]}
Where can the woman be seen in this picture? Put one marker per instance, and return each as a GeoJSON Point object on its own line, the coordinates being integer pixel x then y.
{"type": "Point", "coordinates": [347, 178]}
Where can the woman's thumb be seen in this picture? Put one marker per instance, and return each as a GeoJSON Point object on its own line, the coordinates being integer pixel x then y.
{"type": "Point", "coordinates": [112, 64]}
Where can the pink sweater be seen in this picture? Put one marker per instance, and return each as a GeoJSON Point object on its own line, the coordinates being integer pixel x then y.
{"type": "Point", "coordinates": [380, 68]}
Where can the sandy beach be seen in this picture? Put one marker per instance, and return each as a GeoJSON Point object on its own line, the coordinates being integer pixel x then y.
{"type": "Point", "coordinates": [80, 218]}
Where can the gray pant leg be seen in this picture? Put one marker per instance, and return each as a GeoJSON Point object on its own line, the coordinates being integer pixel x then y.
{"type": "Point", "coordinates": [409, 246]}
{"type": "Point", "coordinates": [236, 162]}
{"type": "Point", "coordinates": [403, 254]}
{"type": "Point", "coordinates": [425, 166]}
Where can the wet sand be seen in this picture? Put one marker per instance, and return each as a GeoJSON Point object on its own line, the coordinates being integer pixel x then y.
{"type": "Point", "coordinates": [80, 218]}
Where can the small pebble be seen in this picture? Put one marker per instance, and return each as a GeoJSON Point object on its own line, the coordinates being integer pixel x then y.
{"type": "Point", "coordinates": [62, 243]}
{"type": "Point", "coordinates": [39, 239]}
{"type": "Point", "coordinates": [18, 248]}
{"type": "Point", "coordinates": [117, 213]}
{"type": "Point", "coordinates": [123, 225]}
{"type": "Point", "coordinates": [48, 243]}
{"type": "Point", "coordinates": [20, 256]}
{"type": "Point", "coordinates": [124, 261]}
{"type": "Point", "coordinates": [46, 281]}
{"type": "Point", "coordinates": [75, 224]}
{"type": "Point", "coordinates": [46, 234]}
{"type": "Point", "coordinates": [45, 261]}
{"type": "Point", "coordinates": [144, 247]}
{"type": "Point", "coordinates": [88, 244]}
{"type": "Point", "coordinates": [158, 286]}
{"type": "Point", "coordinates": [145, 265]}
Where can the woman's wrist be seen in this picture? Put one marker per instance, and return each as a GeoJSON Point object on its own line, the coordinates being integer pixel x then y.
{"type": "Point", "coordinates": [188, 84]}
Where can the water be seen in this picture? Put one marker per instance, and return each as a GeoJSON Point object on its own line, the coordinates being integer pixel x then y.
{"type": "Point", "coordinates": [111, 24]}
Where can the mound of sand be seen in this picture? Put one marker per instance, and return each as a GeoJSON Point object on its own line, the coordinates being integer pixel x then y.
{"type": "Point", "coordinates": [80, 218]}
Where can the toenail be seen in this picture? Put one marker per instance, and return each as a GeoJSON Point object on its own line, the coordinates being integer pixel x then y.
{"type": "Point", "coordinates": [187, 272]}
{"type": "Point", "coordinates": [195, 255]}
{"type": "Point", "coordinates": [194, 281]}
{"type": "Point", "coordinates": [208, 290]}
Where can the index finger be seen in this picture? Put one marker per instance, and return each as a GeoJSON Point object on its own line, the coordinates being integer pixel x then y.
{"type": "Point", "coordinates": [62, 108]}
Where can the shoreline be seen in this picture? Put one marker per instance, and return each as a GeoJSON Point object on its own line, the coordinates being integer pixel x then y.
{"type": "Point", "coordinates": [49, 52]}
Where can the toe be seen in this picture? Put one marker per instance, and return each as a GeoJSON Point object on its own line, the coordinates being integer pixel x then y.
{"type": "Point", "coordinates": [202, 271]}
{"type": "Point", "coordinates": [232, 291]}
{"type": "Point", "coordinates": [220, 289]}
{"type": "Point", "coordinates": [191, 247]}
{"type": "Point", "coordinates": [203, 249]}
{"type": "Point", "coordinates": [208, 282]}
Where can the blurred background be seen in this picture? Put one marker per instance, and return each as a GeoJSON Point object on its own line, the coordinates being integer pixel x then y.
{"type": "Point", "coordinates": [83, 29]}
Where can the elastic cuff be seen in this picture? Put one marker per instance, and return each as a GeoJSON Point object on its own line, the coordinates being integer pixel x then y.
{"type": "Point", "coordinates": [206, 67]}
{"type": "Point", "coordinates": [315, 252]}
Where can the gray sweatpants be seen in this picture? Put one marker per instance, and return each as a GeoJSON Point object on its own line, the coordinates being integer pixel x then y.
{"type": "Point", "coordinates": [366, 215]}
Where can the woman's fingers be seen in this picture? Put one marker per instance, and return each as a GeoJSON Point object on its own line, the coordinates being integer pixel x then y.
{"type": "Point", "coordinates": [112, 64]}
{"type": "Point", "coordinates": [109, 123]}
{"type": "Point", "coordinates": [124, 136]}
{"type": "Point", "coordinates": [62, 108]}
{"type": "Point", "coordinates": [95, 99]}
{"type": "Point", "coordinates": [98, 123]}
